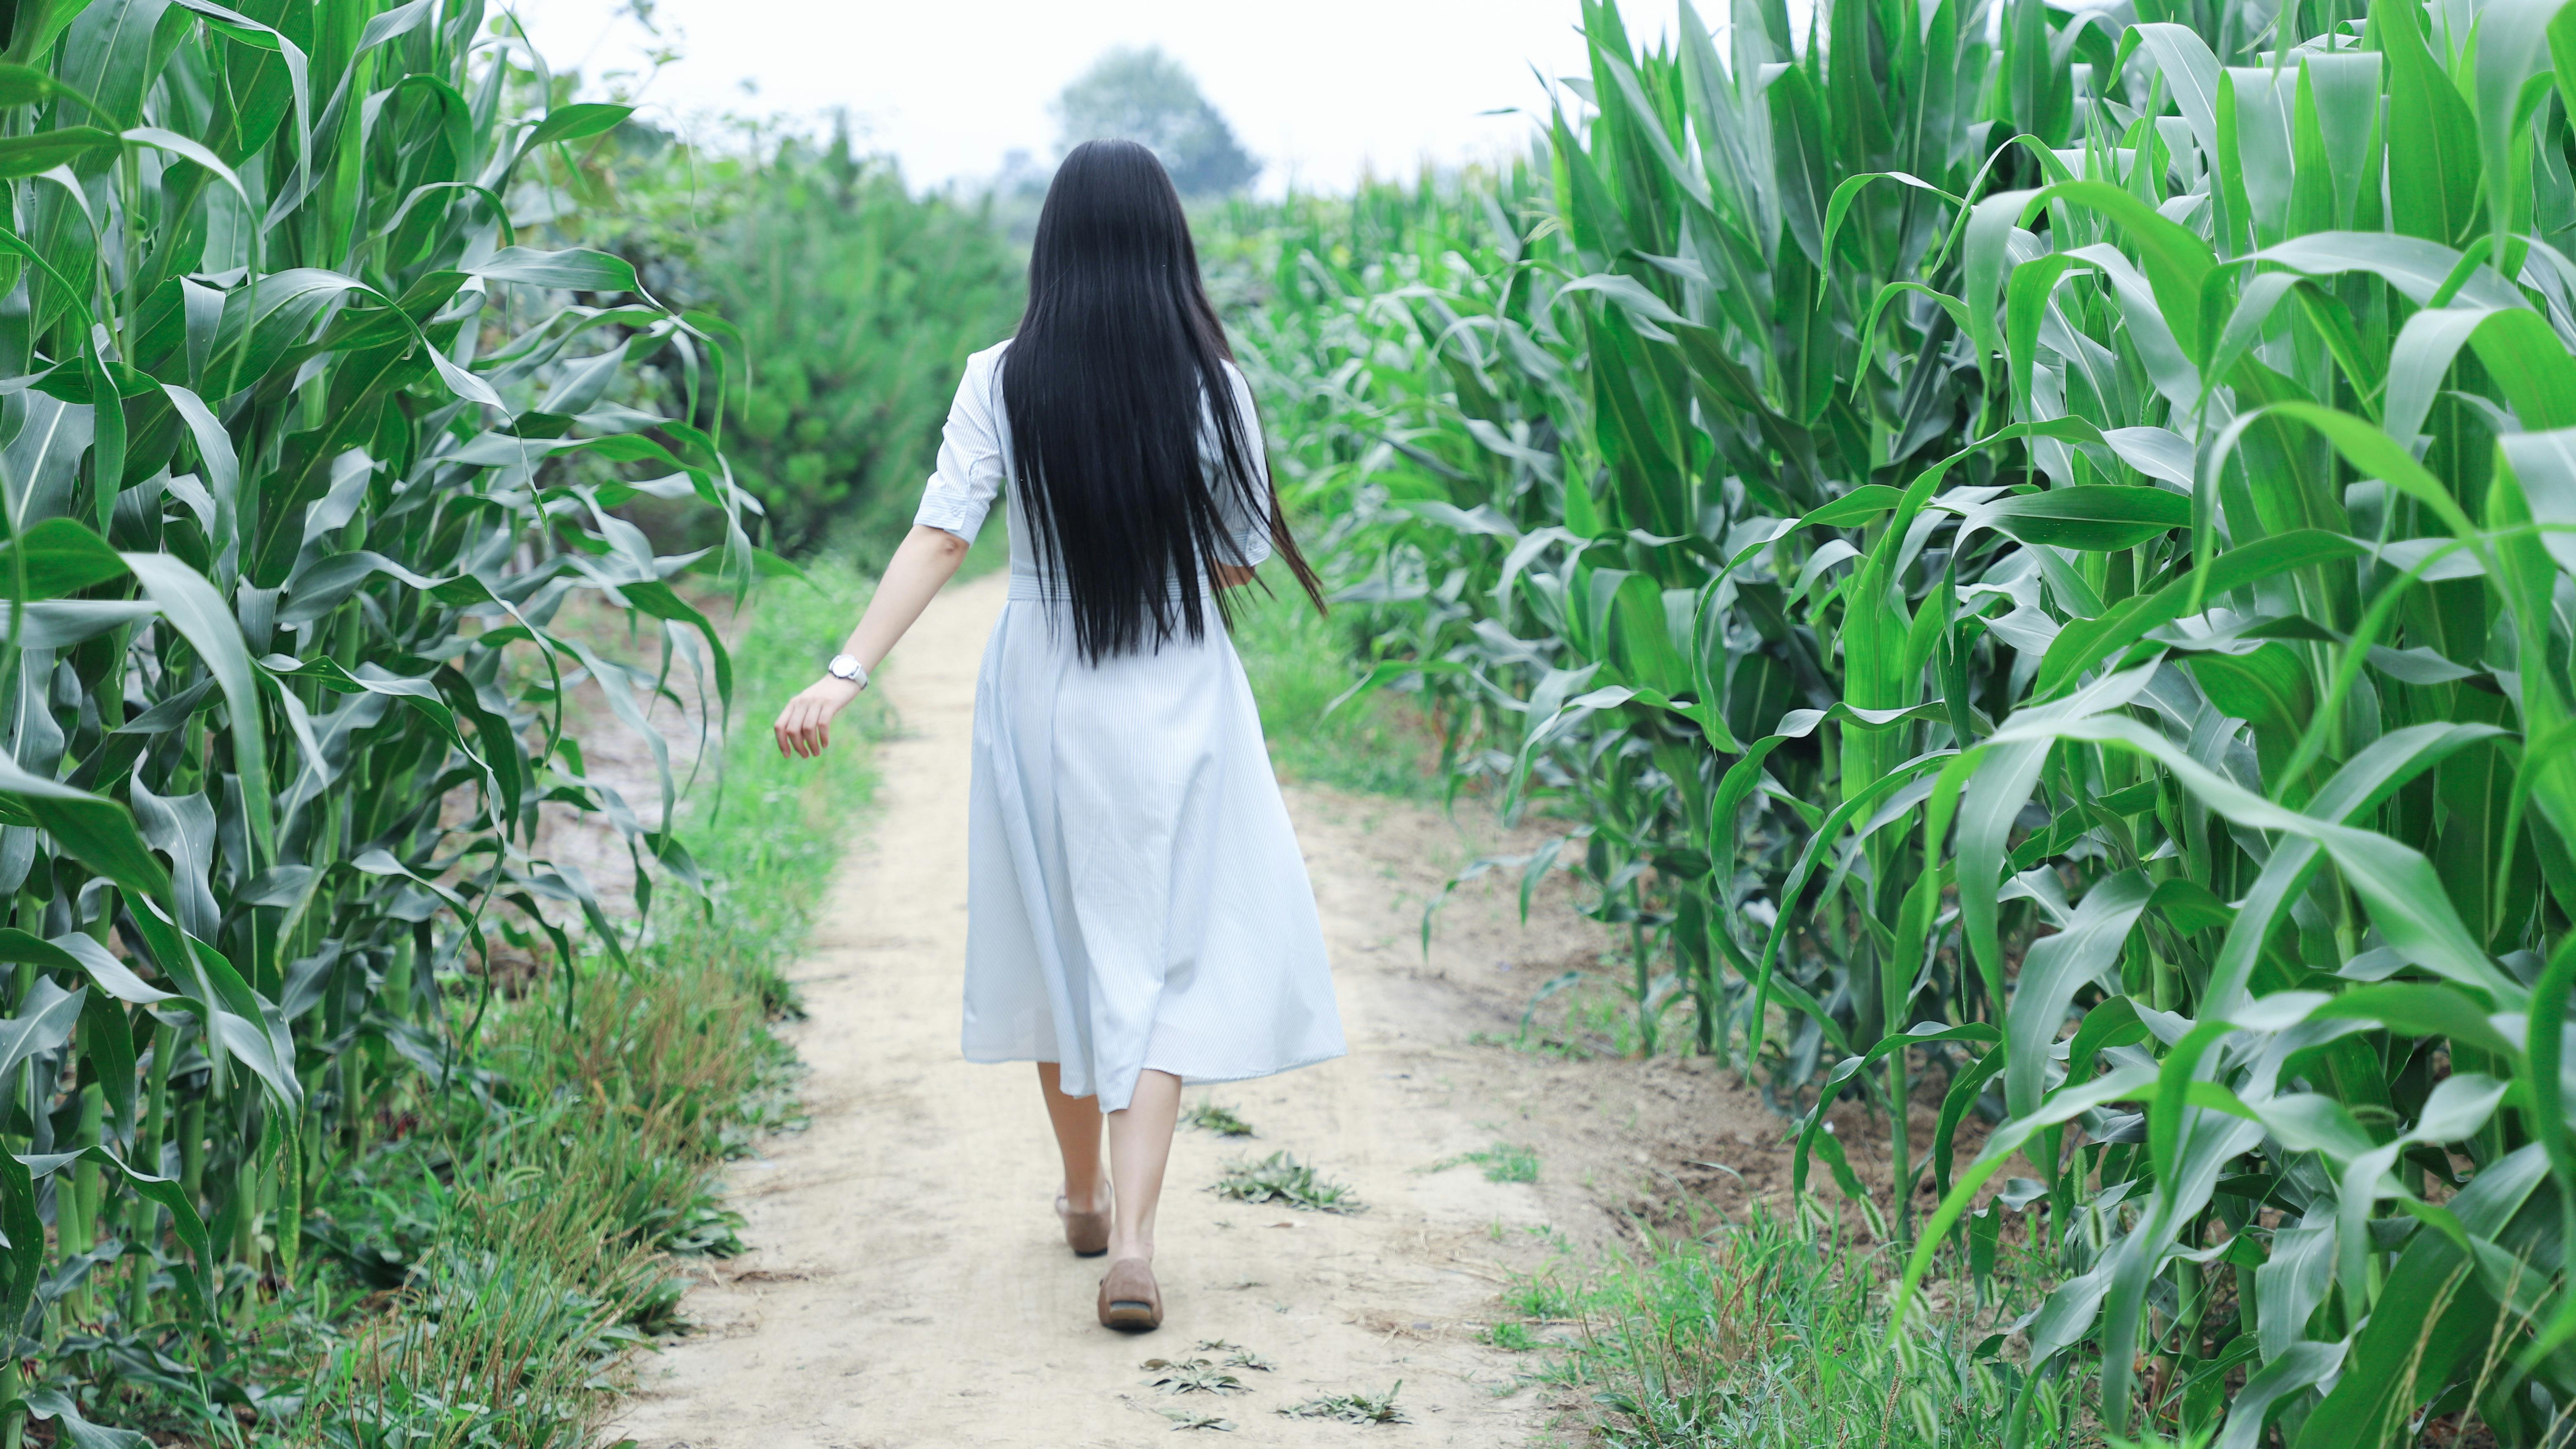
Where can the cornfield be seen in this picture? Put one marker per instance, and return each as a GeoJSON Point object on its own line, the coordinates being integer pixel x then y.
{"type": "Point", "coordinates": [305, 450]}
{"type": "Point", "coordinates": [2037, 554]}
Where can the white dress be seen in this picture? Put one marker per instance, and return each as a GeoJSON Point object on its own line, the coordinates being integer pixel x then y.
{"type": "Point", "coordinates": [1135, 895]}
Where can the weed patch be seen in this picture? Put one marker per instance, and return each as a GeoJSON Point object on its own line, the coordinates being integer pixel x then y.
{"type": "Point", "coordinates": [1502, 1163]}
{"type": "Point", "coordinates": [1755, 1335]}
{"type": "Point", "coordinates": [1281, 1178]}
{"type": "Point", "coordinates": [1217, 1118]}
{"type": "Point", "coordinates": [1355, 1407]}
{"type": "Point", "coordinates": [1191, 1376]}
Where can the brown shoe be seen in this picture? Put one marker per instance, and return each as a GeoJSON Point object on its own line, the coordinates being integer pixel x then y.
{"type": "Point", "coordinates": [1130, 1298]}
{"type": "Point", "coordinates": [1086, 1233]}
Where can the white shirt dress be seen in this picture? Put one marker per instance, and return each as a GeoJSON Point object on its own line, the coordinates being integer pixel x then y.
{"type": "Point", "coordinates": [1135, 896]}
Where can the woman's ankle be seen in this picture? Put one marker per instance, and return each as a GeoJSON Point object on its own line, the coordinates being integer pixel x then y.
{"type": "Point", "coordinates": [1098, 1199]}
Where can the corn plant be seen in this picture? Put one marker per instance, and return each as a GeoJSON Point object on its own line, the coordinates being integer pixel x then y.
{"type": "Point", "coordinates": [304, 452]}
{"type": "Point", "coordinates": [2044, 569]}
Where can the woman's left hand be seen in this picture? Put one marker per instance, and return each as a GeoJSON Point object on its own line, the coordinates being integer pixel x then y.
{"type": "Point", "coordinates": [804, 727]}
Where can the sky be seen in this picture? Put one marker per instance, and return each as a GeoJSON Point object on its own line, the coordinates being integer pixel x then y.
{"type": "Point", "coordinates": [1320, 90]}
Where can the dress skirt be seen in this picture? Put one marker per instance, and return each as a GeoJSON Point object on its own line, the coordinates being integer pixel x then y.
{"type": "Point", "coordinates": [1135, 896]}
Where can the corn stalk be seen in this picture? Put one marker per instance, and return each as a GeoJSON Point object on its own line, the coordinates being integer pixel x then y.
{"type": "Point", "coordinates": [2045, 570]}
{"type": "Point", "coordinates": [303, 453]}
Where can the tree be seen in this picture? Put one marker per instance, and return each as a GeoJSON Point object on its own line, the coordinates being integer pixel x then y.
{"type": "Point", "coordinates": [1145, 95]}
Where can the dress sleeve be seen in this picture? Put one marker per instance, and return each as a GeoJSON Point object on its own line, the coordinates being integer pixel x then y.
{"type": "Point", "coordinates": [1249, 527]}
{"type": "Point", "coordinates": [970, 471]}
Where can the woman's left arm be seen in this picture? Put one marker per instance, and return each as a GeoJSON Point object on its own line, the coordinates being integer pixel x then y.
{"type": "Point", "coordinates": [920, 568]}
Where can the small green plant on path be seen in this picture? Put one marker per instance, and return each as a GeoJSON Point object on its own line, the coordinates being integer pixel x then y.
{"type": "Point", "coordinates": [1281, 1178]}
{"type": "Point", "coordinates": [1355, 1407]}
{"type": "Point", "coordinates": [1208, 1116]}
{"type": "Point", "coordinates": [1191, 1376]}
{"type": "Point", "coordinates": [1502, 1163]}
{"type": "Point", "coordinates": [1546, 1296]}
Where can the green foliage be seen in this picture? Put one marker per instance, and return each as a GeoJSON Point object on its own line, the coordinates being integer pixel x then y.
{"type": "Point", "coordinates": [1298, 663]}
{"type": "Point", "coordinates": [1145, 95]}
{"type": "Point", "coordinates": [513, 1304]}
{"type": "Point", "coordinates": [1764, 1331]}
{"type": "Point", "coordinates": [772, 828]}
{"type": "Point", "coordinates": [2042, 575]}
{"type": "Point", "coordinates": [306, 451]}
{"type": "Point", "coordinates": [853, 303]}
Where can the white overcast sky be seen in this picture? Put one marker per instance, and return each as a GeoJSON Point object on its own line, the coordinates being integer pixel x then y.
{"type": "Point", "coordinates": [1319, 89]}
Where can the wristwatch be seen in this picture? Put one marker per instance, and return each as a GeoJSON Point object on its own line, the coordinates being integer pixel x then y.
{"type": "Point", "coordinates": [846, 667]}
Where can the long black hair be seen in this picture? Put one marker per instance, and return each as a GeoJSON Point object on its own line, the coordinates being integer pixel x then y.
{"type": "Point", "coordinates": [1117, 374]}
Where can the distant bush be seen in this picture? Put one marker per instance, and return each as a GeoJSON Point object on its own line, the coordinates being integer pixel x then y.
{"type": "Point", "coordinates": [855, 304]}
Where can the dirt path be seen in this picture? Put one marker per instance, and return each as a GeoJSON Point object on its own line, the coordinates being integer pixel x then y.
{"type": "Point", "coordinates": [908, 1286]}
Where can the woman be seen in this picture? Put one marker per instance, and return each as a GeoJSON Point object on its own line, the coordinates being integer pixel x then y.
{"type": "Point", "coordinates": [1139, 915]}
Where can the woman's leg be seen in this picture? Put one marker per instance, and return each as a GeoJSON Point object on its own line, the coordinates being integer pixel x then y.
{"type": "Point", "coordinates": [1077, 1136]}
{"type": "Point", "coordinates": [1140, 1144]}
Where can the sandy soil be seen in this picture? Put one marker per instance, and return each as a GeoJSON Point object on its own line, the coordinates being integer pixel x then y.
{"type": "Point", "coordinates": [908, 1284]}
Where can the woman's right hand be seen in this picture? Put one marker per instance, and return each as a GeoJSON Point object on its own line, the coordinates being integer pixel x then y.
{"type": "Point", "coordinates": [804, 727]}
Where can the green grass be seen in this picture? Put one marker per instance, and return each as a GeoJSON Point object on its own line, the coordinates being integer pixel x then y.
{"type": "Point", "coordinates": [1280, 1178]}
{"type": "Point", "coordinates": [1502, 1163]}
{"type": "Point", "coordinates": [1299, 663]}
{"type": "Point", "coordinates": [1550, 1296]}
{"type": "Point", "coordinates": [1578, 1016]}
{"type": "Point", "coordinates": [478, 1280]}
{"type": "Point", "coordinates": [1773, 1334]}
{"type": "Point", "coordinates": [776, 860]}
